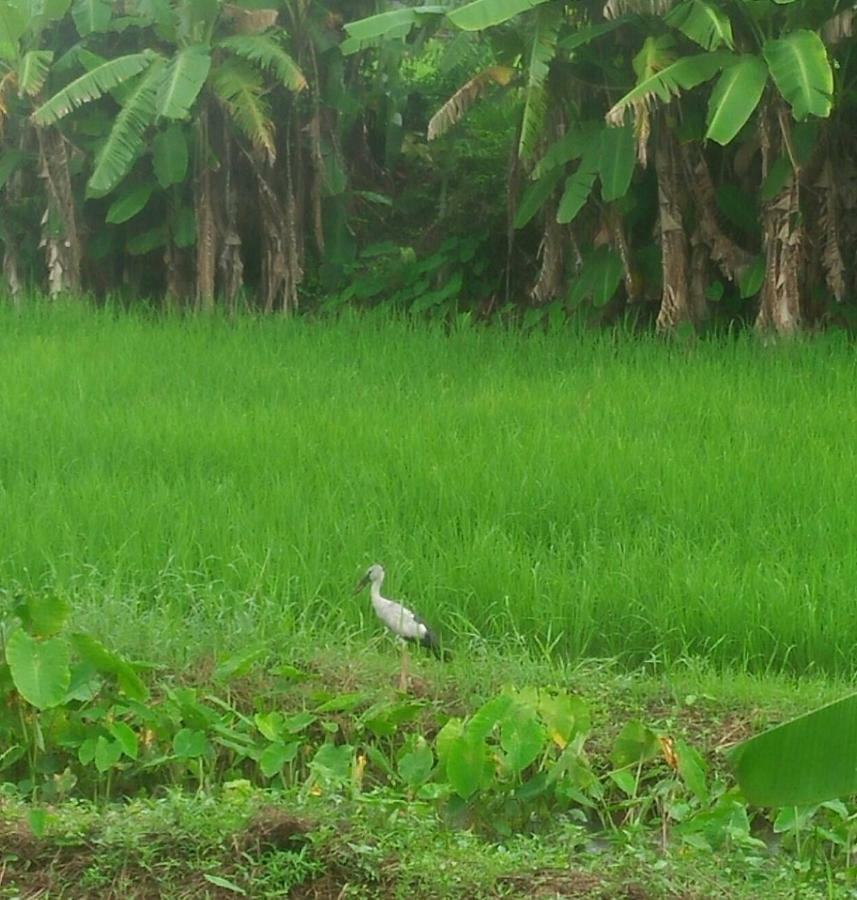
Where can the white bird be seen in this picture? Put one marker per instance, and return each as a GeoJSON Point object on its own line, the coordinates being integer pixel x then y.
{"type": "Point", "coordinates": [399, 619]}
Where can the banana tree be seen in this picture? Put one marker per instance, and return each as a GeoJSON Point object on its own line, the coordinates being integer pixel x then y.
{"type": "Point", "coordinates": [208, 101]}
{"type": "Point", "coordinates": [772, 70]}
{"type": "Point", "coordinates": [27, 30]}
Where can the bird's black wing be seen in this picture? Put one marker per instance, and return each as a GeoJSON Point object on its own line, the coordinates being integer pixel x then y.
{"type": "Point", "coordinates": [429, 640]}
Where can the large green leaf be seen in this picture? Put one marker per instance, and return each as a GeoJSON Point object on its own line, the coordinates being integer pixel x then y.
{"type": "Point", "coordinates": [583, 36]}
{"type": "Point", "coordinates": [264, 50]}
{"type": "Point", "coordinates": [92, 85]}
{"type": "Point", "coordinates": [129, 203]}
{"type": "Point", "coordinates": [33, 71]}
{"type": "Point", "coordinates": [522, 737]}
{"type": "Point", "coordinates": [535, 196]}
{"type": "Point", "coordinates": [807, 760]}
{"type": "Point", "coordinates": [684, 74]}
{"type": "Point", "coordinates": [9, 162]}
{"type": "Point", "coordinates": [91, 15]}
{"type": "Point", "coordinates": [182, 83]}
{"type": "Point", "coordinates": [703, 23]}
{"type": "Point", "coordinates": [578, 186]}
{"type": "Point", "coordinates": [13, 23]}
{"type": "Point", "coordinates": [542, 50]}
{"type": "Point", "coordinates": [40, 669]}
{"type": "Point", "coordinates": [734, 98]}
{"type": "Point", "coordinates": [801, 70]}
{"type": "Point", "coordinates": [240, 88]}
{"type": "Point", "coordinates": [468, 766]}
{"type": "Point", "coordinates": [484, 13]}
{"type": "Point", "coordinates": [43, 615]}
{"type": "Point", "coordinates": [396, 23]}
{"type": "Point", "coordinates": [105, 661]}
{"type": "Point", "coordinates": [170, 156]}
{"type": "Point", "coordinates": [600, 276]}
{"type": "Point", "coordinates": [616, 162]}
{"type": "Point", "coordinates": [124, 144]}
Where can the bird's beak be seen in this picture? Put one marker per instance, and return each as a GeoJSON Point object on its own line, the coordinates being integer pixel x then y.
{"type": "Point", "coordinates": [363, 582]}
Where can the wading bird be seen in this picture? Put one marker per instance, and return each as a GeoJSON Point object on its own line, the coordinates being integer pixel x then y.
{"type": "Point", "coordinates": [407, 626]}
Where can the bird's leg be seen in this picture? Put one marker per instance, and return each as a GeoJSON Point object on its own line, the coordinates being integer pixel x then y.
{"type": "Point", "coordinates": [403, 672]}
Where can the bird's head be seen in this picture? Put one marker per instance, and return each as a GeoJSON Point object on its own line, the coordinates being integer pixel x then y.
{"type": "Point", "coordinates": [375, 574]}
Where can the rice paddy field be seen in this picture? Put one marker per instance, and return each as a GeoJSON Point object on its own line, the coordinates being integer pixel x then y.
{"type": "Point", "coordinates": [648, 544]}
{"type": "Point", "coordinates": [197, 486]}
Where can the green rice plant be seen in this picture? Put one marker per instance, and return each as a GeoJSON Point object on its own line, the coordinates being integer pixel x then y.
{"type": "Point", "coordinates": [198, 489]}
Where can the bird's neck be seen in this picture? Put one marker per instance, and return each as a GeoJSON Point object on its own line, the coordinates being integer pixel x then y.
{"type": "Point", "coordinates": [375, 591]}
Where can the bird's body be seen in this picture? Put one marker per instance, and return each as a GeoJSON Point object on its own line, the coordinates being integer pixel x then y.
{"type": "Point", "coordinates": [397, 617]}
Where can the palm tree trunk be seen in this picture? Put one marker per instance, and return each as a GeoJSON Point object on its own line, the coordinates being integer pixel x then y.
{"type": "Point", "coordinates": [60, 235]}
{"type": "Point", "coordinates": [677, 307]}
{"type": "Point", "coordinates": [783, 237]}
{"type": "Point", "coordinates": [206, 225]}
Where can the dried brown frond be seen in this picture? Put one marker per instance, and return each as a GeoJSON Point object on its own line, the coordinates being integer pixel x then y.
{"type": "Point", "coordinates": [838, 27]}
{"type": "Point", "coordinates": [7, 85]}
{"type": "Point", "coordinates": [831, 243]}
{"type": "Point", "coordinates": [249, 21]}
{"type": "Point", "coordinates": [460, 102]}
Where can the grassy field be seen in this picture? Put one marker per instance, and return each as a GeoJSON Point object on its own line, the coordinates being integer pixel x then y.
{"type": "Point", "coordinates": [200, 486]}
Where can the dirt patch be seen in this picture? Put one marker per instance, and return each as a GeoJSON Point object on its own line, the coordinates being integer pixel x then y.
{"type": "Point", "coordinates": [572, 883]}
{"type": "Point", "coordinates": [273, 828]}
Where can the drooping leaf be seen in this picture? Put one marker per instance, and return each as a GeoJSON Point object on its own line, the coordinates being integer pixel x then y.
{"type": "Point", "coordinates": [13, 23]}
{"type": "Point", "coordinates": [109, 663]}
{"type": "Point", "coordinates": [752, 278]}
{"type": "Point", "coordinates": [541, 51]}
{"type": "Point", "coordinates": [463, 99]}
{"type": "Point", "coordinates": [390, 25]}
{"type": "Point", "coordinates": [33, 71]}
{"type": "Point", "coordinates": [124, 735]}
{"type": "Point", "coordinates": [92, 85]}
{"type": "Point", "coordinates": [91, 15]}
{"type": "Point", "coordinates": [599, 277]}
{"type": "Point", "coordinates": [184, 227]}
{"type": "Point", "coordinates": [578, 186]}
{"type": "Point", "coordinates": [9, 162]}
{"type": "Point", "coordinates": [264, 50]}
{"type": "Point", "coordinates": [684, 74]}
{"type": "Point", "coordinates": [240, 88]}
{"type": "Point", "coordinates": [182, 82]}
{"type": "Point", "coordinates": [129, 203]}
{"type": "Point", "coordinates": [616, 162]}
{"type": "Point", "coordinates": [807, 760]}
{"type": "Point", "coordinates": [734, 98]}
{"type": "Point", "coordinates": [588, 33]}
{"type": "Point", "coordinates": [147, 241]}
{"type": "Point", "coordinates": [481, 14]}
{"type": "Point", "coordinates": [123, 145]}
{"type": "Point", "coordinates": [801, 70]}
{"type": "Point", "coordinates": [704, 23]}
{"type": "Point", "coordinates": [535, 196]}
{"type": "Point", "coordinates": [170, 159]}
{"type": "Point", "coordinates": [40, 669]}
{"type": "Point", "coordinates": [570, 146]}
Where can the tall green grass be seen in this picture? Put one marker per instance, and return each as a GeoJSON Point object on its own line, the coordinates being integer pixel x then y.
{"type": "Point", "coordinates": [196, 486]}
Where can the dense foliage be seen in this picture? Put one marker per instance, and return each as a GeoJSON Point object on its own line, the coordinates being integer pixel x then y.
{"type": "Point", "coordinates": [681, 160]}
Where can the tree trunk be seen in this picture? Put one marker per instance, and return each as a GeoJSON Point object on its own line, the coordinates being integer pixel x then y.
{"type": "Point", "coordinates": [206, 224]}
{"type": "Point", "coordinates": [60, 235]}
{"type": "Point", "coordinates": [231, 264]}
{"type": "Point", "coordinates": [783, 237]}
{"type": "Point", "coordinates": [549, 283]}
{"type": "Point", "coordinates": [677, 307]}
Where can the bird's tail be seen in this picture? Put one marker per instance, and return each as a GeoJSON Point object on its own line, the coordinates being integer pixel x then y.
{"type": "Point", "coordinates": [432, 643]}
